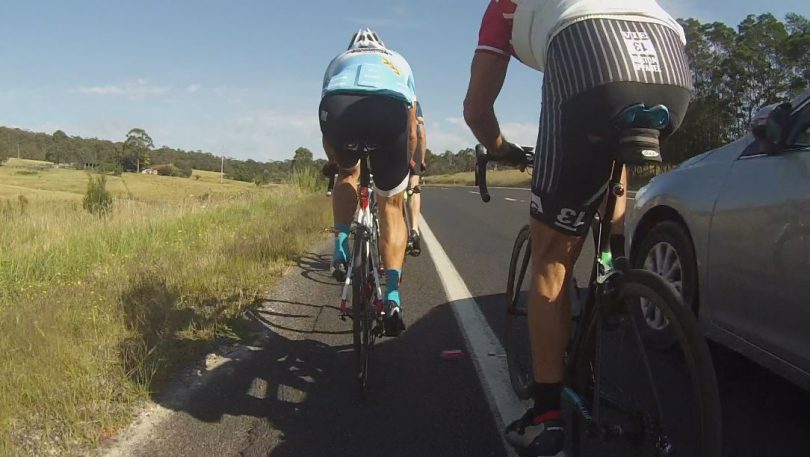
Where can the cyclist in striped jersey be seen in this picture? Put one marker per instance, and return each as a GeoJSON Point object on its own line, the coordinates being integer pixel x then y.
{"type": "Point", "coordinates": [597, 58]}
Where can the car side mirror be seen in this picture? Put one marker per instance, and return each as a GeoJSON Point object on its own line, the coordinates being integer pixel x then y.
{"type": "Point", "coordinates": [778, 125]}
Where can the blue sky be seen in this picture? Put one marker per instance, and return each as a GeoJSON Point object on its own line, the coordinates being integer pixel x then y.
{"type": "Point", "coordinates": [243, 77]}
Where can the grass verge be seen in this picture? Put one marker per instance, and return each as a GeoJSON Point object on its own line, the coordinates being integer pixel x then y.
{"type": "Point", "coordinates": [495, 178]}
{"type": "Point", "coordinates": [96, 314]}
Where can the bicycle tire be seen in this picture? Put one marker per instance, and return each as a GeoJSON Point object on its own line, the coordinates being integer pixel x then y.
{"type": "Point", "coordinates": [360, 321]}
{"type": "Point", "coordinates": [516, 343]}
{"type": "Point", "coordinates": [696, 360]}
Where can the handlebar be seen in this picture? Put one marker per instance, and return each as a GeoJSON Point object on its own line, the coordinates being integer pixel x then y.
{"type": "Point", "coordinates": [481, 161]}
{"type": "Point", "coordinates": [522, 156]}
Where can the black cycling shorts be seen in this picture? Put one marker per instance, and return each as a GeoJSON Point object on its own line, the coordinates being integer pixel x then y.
{"type": "Point", "coordinates": [374, 119]}
{"type": "Point", "coordinates": [594, 69]}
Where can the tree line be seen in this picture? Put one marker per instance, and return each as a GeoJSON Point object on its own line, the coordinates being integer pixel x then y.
{"type": "Point", "coordinates": [736, 72]}
{"type": "Point", "coordinates": [136, 152]}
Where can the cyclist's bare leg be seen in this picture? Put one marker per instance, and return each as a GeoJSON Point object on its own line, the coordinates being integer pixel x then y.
{"type": "Point", "coordinates": [344, 195]}
{"type": "Point", "coordinates": [414, 204]}
{"type": "Point", "coordinates": [553, 257]}
{"type": "Point", "coordinates": [393, 235]}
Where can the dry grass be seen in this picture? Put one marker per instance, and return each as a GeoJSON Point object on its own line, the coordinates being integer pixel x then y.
{"type": "Point", "coordinates": [71, 184]}
{"type": "Point", "coordinates": [15, 162]}
{"type": "Point", "coordinates": [495, 178]}
{"type": "Point", "coordinates": [97, 313]}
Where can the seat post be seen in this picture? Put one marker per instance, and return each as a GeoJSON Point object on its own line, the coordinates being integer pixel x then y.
{"type": "Point", "coordinates": [615, 190]}
{"type": "Point", "coordinates": [365, 172]}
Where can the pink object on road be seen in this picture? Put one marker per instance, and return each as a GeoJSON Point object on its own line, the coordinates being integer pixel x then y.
{"type": "Point", "coordinates": [452, 354]}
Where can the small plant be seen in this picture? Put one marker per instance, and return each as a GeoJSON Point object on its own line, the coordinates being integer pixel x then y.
{"type": "Point", "coordinates": [97, 200]}
{"type": "Point", "coordinates": [23, 201]}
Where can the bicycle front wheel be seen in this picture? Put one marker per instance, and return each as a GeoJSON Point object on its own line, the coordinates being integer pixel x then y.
{"type": "Point", "coordinates": [642, 401]}
{"type": "Point", "coordinates": [516, 334]}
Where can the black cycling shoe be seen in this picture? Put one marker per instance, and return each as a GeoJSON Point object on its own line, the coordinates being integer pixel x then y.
{"type": "Point", "coordinates": [339, 270]}
{"type": "Point", "coordinates": [537, 436]}
{"type": "Point", "coordinates": [415, 243]}
{"type": "Point", "coordinates": [394, 325]}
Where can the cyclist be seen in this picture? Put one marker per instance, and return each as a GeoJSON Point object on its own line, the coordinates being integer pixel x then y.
{"type": "Point", "coordinates": [418, 166]}
{"type": "Point", "coordinates": [598, 57]}
{"type": "Point", "coordinates": [368, 95]}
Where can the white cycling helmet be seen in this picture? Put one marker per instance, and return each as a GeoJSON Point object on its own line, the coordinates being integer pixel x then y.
{"type": "Point", "coordinates": [366, 38]}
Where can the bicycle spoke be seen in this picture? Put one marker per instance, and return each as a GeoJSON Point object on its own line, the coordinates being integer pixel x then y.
{"type": "Point", "coordinates": [647, 368]}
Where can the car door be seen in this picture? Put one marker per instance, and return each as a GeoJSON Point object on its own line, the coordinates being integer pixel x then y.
{"type": "Point", "coordinates": [758, 282]}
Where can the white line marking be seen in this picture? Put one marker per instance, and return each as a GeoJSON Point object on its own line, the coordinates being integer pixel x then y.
{"type": "Point", "coordinates": [481, 340]}
{"type": "Point", "coordinates": [509, 199]}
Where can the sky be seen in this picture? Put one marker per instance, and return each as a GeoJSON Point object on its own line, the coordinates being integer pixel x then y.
{"type": "Point", "coordinates": [243, 77]}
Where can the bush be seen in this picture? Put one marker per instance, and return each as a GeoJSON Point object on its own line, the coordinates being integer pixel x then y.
{"type": "Point", "coordinates": [171, 170]}
{"type": "Point", "coordinates": [97, 200]}
{"type": "Point", "coordinates": [23, 200]}
{"type": "Point", "coordinates": [308, 180]}
{"type": "Point", "coordinates": [114, 169]}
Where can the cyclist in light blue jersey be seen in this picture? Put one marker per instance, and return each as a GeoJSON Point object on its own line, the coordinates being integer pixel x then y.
{"type": "Point", "coordinates": [368, 96]}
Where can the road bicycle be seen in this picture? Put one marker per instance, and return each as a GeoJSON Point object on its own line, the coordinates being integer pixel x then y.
{"type": "Point", "coordinates": [623, 390]}
{"type": "Point", "coordinates": [363, 281]}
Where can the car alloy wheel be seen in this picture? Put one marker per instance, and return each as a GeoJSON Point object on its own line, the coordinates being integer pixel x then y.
{"type": "Point", "coordinates": [664, 261]}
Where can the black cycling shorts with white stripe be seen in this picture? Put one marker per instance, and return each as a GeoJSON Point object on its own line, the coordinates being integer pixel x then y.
{"type": "Point", "coordinates": [594, 69]}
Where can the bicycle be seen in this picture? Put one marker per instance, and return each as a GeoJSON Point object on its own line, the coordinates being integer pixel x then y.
{"type": "Point", "coordinates": [367, 310]}
{"type": "Point", "coordinates": [604, 414]}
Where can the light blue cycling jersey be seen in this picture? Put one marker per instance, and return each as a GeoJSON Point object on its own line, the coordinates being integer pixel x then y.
{"type": "Point", "coordinates": [370, 71]}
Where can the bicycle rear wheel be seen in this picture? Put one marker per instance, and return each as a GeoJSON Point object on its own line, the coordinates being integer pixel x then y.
{"type": "Point", "coordinates": [644, 402]}
{"type": "Point", "coordinates": [361, 308]}
{"type": "Point", "coordinates": [516, 335]}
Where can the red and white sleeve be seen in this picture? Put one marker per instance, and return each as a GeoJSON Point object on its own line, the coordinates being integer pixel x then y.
{"type": "Point", "coordinates": [495, 35]}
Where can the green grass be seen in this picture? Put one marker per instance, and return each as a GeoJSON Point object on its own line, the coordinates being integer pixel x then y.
{"type": "Point", "coordinates": [96, 314]}
{"type": "Point", "coordinates": [495, 178]}
{"type": "Point", "coordinates": [70, 185]}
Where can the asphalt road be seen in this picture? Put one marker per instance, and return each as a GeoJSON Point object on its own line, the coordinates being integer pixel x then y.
{"type": "Point", "coordinates": [296, 397]}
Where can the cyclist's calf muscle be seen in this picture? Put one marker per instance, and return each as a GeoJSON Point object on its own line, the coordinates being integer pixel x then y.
{"type": "Point", "coordinates": [553, 257]}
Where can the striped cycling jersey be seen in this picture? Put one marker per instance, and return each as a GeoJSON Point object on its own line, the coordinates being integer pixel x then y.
{"type": "Point", "coordinates": [525, 28]}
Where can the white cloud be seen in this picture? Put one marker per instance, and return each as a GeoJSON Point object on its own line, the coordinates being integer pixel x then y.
{"type": "Point", "coordinates": [134, 90]}
{"type": "Point", "coordinates": [453, 134]}
{"type": "Point", "coordinates": [191, 88]}
{"type": "Point", "coordinates": [522, 133]}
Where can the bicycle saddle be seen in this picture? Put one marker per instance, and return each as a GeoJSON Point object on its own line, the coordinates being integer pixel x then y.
{"type": "Point", "coordinates": [360, 146]}
{"type": "Point", "coordinates": [640, 128]}
{"type": "Point", "coordinates": [640, 116]}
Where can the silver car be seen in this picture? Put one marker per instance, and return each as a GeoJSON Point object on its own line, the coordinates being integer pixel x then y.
{"type": "Point", "coordinates": [730, 229]}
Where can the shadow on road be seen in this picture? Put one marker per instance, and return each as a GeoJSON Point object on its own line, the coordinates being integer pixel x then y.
{"type": "Point", "coordinates": [306, 401]}
{"type": "Point", "coordinates": [763, 414]}
{"type": "Point", "coordinates": [316, 268]}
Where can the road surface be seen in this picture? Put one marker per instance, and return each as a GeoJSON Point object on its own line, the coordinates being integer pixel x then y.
{"type": "Point", "coordinates": [296, 397]}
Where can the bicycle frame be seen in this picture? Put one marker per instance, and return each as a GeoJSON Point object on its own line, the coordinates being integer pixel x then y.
{"type": "Point", "coordinates": [599, 289]}
{"type": "Point", "coordinates": [366, 228]}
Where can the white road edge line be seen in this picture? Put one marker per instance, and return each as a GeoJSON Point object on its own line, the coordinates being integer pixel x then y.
{"type": "Point", "coordinates": [484, 347]}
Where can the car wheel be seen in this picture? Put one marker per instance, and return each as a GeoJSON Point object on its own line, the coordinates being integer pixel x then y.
{"type": "Point", "coordinates": [667, 251]}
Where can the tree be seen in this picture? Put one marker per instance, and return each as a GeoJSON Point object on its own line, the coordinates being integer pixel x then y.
{"type": "Point", "coordinates": [736, 72]}
{"type": "Point", "coordinates": [302, 155]}
{"type": "Point", "coordinates": [137, 147]}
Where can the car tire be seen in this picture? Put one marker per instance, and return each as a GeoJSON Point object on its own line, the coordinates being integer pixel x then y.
{"type": "Point", "coordinates": [667, 250]}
